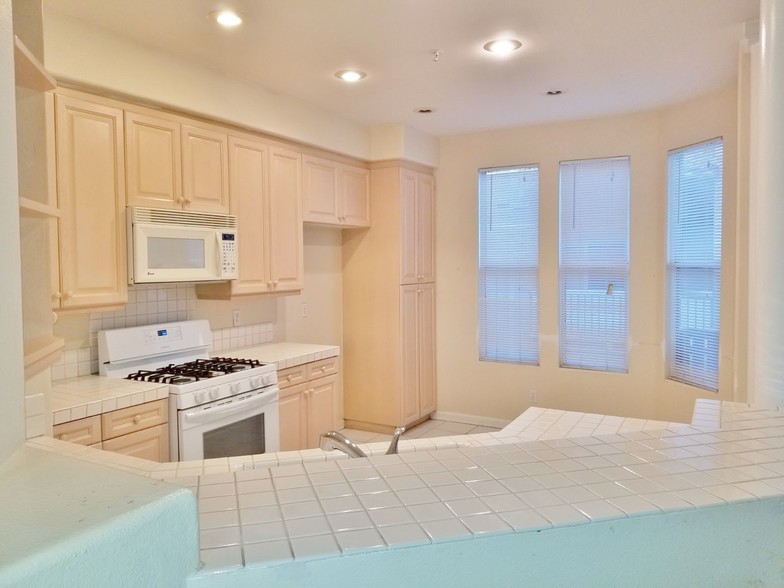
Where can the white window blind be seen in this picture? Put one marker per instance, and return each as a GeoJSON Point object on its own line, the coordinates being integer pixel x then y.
{"type": "Point", "coordinates": [509, 264]}
{"type": "Point", "coordinates": [594, 264]}
{"type": "Point", "coordinates": [694, 191]}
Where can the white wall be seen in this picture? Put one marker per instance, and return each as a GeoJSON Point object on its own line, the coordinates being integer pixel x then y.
{"type": "Point", "coordinates": [11, 393]}
{"type": "Point", "coordinates": [468, 386]}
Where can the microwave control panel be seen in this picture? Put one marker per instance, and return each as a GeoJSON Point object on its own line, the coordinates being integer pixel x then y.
{"type": "Point", "coordinates": [229, 255]}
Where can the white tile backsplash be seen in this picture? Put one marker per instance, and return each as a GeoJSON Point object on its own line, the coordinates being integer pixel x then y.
{"type": "Point", "coordinates": [147, 305]}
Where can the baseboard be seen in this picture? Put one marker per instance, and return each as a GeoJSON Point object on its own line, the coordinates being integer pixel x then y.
{"type": "Point", "coordinates": [469, 419]}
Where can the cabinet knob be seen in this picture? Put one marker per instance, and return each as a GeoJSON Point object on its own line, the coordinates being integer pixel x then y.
{"type": "Point", "coordinates": [289, 378]}
{"type": "Point", "coordinates": [137, 419]}
{"type": "Point", "coordinates": [57, 295]}
{"type": "Point", "coordinates": [67, 294]}
{"type": "Point", "coordinates": [187, 202]}
{"type": "Point", "coordinates": [275, 283]}
{"type": "Point", "coordinates": [180, 199]}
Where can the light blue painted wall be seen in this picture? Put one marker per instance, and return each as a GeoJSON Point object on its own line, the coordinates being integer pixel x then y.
{"type": "Point", "coordinates": [67, 523]}
{"type": "Point", "coordinates": [727, 546]}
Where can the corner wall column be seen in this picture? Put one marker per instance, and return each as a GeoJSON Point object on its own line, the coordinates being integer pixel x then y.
{"type": "Point", "coordinates": [766, 291]}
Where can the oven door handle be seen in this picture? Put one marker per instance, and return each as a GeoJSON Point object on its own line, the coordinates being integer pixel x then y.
{"type": "Point", "coordinates": [202, 416]}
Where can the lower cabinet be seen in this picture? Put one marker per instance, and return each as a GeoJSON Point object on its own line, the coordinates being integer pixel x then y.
{"type": "Point", "coordinates": [140, 431]}
{"type": "Point", "coordinates": [308, 398]}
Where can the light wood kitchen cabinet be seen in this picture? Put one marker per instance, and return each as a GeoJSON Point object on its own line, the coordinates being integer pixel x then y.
{"type": "Point", "coordinates": [389, 304]}
{"type": "Point", "coordinates": [417, 264]}
{"type": "Point", "coordinates": [308, 398]}
{"type": "Point", "coordinates": [175, 165]}
{"type": "Point", "coordinates": [91, 189]}
{"type": "Point", "coordinates": [83, 431]}
{"type": "Point", "coordinates": [152, 157]}
{"type": "Point", "coordinates": [335, 193]}
{"type": "Point", "coordinates": [417, 329]}
{"type": "Point", "coordinates": [152, 444]}
{"type": "Point", "coordinates": [141, 431]}
{"type": "Point", "coordinates": [205, 165]}
{"type": "Point", "coordinates": [265, 197]}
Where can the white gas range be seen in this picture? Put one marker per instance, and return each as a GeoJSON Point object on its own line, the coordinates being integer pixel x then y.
{"type": "Point", "coordinates": [218, 407]}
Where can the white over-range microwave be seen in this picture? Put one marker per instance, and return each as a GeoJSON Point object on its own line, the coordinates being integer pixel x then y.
{"type": "Point", "coordinates": [180, 246]}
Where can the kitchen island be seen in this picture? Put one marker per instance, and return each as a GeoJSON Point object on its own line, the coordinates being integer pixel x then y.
{"type": "Point", "coordinates": [550, 478]}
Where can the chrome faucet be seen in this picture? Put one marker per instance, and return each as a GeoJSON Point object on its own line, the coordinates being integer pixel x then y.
{"type": "Point", "coordinates": [335, 440]}
{"type": "Point", "coordinates": [395, 438]}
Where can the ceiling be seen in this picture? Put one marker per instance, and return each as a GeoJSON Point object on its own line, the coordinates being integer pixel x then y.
{"type": "Point", "coordinates": [607, 56]}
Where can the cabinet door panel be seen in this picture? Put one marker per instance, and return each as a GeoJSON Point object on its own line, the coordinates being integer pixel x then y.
{"type": "Point", "coordinates": [91, 183]}
{"type": "Point", "coordinates": [152, 444]}
{"type": "Point", "coordinates": [409, 394]}
{"type": "Point", "coordinates": [285, 221]}
{"type": "Point", "coordinates": [321, 408]}
{"type": "Point", "coordinates": [425, 210]}
{"type": "Point", "coordinates": [356, 196]}
{"type": "Point", "coordinates": [291, 418]}
{"type": "Point", "coordinates": [205, 167]}
{"type": "Point", "coordinates": [320, 191]}
{"type": "Point", "coordinates": [426, 327]}
{"type": "Point", "coordinates": [153, 161]}
{"type": "Point", "coordinates": [408, 227]}
{"type": "Point", "coordinates": [248, 169]}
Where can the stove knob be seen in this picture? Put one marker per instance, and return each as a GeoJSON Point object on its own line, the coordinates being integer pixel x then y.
{"type": "Point", "coordinates": [235, 388]}
{"type": "Point", "coordinates": [214, 393]}
{"type": "Point", "coordinates": [198, 397]}
{"type": "Point", "coordinates": [257, 382]}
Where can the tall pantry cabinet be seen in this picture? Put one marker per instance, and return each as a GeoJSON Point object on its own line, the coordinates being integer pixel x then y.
{"type": "Point", "coordinates": [389, 303]}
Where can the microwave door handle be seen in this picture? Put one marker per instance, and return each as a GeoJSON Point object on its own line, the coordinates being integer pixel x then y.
{"type": "Point", "coordinates": [219, 257]}
{"type": "Point", "coordinates": [200, 416]}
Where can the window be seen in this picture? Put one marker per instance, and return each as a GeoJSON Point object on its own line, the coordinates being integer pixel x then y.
{"type": "Point", "coordinates": [509, 264]}
{"type": "Point", "coordinates": [694, 188]}
{"type": "Point", "coordinates": [594, 264]}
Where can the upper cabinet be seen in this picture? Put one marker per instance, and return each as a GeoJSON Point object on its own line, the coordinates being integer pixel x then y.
{"type": "Point", "coordinates": [152, 154]}
{"type": "Point", "coordinates": [205, 164]}
{"type": "Point", "coordinates": [175, 165]}
{"type": "Point", "coordinates": [264, 184]}
{"type": "Point", "coordinates": [335, 193]}
{"type": "Point", "coordinates": [91, 189]}
{"type": "Point", "coordinates": [417, 201]}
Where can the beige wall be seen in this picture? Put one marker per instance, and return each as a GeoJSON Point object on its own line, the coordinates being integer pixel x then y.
{"type": "Point", "coordinates": [495, 390]}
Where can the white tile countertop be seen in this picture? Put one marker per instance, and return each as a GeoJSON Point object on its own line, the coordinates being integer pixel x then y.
{"type": "Point", "coordinates": [547, 469]}
{"type": "Point", "coordinates": [85, 396]}
{"type": "Point", "coordinates": [286, 355]}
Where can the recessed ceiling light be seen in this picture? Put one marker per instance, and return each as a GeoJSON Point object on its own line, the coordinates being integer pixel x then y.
{"type": "Point", "coordinates": [350, 75]}
{"type": "Point", "coordinates": [502, 46]}
{"type": "Point", "coordinates": [424, 110]}
{"type": "Point", "coordinates": [226, 18]}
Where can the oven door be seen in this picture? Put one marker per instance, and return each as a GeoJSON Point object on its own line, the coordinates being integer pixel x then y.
{"type": "Point", "coordinates": [246, 424]}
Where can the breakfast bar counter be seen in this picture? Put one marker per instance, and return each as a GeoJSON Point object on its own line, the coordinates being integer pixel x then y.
{"type": "Point", "coordinates": [548, 469]}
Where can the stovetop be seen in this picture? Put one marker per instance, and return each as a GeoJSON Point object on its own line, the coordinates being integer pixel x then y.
{"type": "Point", "coordinates": [194, 371]}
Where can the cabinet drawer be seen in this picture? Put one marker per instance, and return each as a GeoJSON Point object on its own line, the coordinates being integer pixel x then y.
{"type": "Point", "coordinates": [135, 418]}
{"type": "Point", "coordinates": [292, 376]}
{"type": "Point", "coordinates": [84, 431]}
{"type": "Point", "coordinates": [324, 367]}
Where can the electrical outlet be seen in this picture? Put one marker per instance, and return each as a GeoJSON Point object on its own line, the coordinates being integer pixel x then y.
{"type": "Point", "coordinates": [235, 318]}
{"type": "Point", "coordinates": [304, 310]}
{"type": "Point", "coordinates": [533, 396]}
